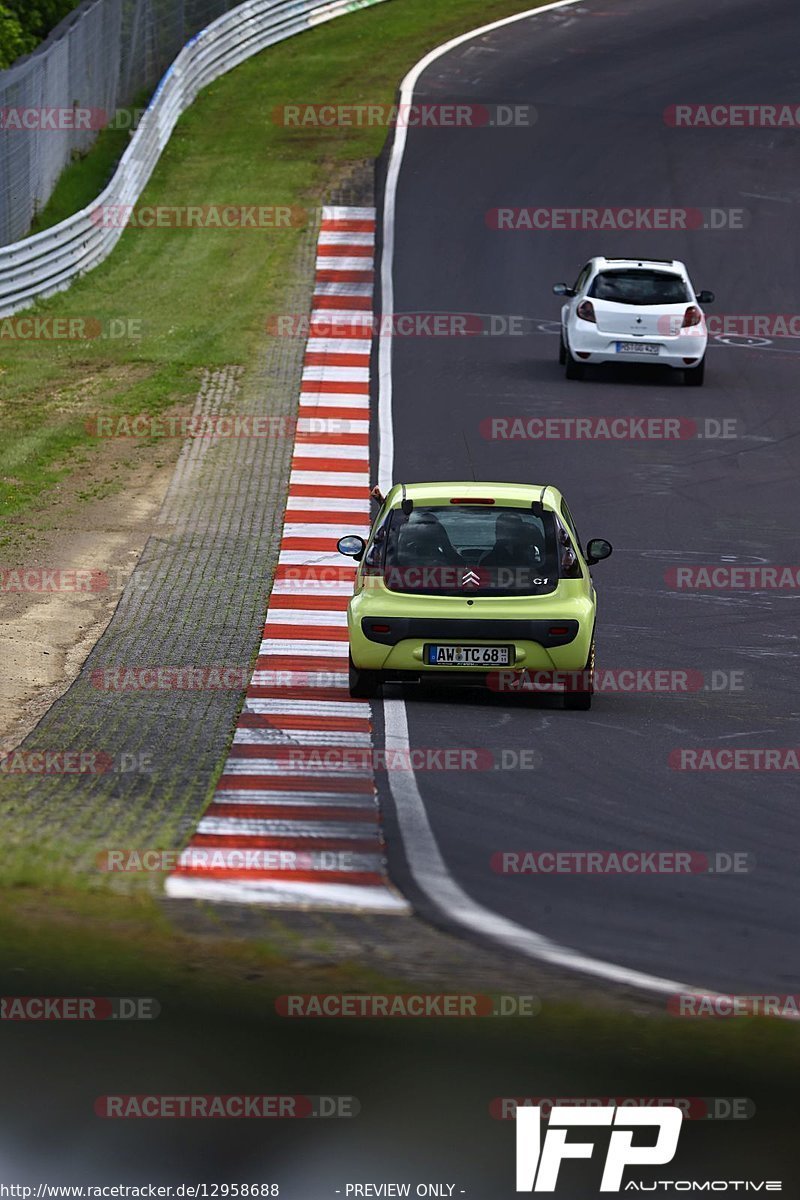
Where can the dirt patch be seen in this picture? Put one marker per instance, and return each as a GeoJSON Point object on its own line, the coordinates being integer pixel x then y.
{"type": "Point", "coordinates": [69, 560]}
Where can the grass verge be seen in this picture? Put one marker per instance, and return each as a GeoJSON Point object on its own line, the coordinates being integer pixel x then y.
{"type": "Point", "coordinates": [424, 1086]}
{"type": "Point", "coordinates": [170, 301]}
{"type": "Point", "coordinates": [127, 944]}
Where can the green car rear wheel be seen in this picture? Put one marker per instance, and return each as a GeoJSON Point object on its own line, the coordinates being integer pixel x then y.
{"type": "Point", "coordinates": [583, 699]}
{"type": "Point", "coordinates": [364, 685]}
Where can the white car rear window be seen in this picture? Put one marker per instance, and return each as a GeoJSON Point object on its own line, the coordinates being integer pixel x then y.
{"type": "Point", "coordinates": [634, 286]}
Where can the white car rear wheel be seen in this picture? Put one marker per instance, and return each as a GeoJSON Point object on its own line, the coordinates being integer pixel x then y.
{"type": "Point", "coordinates": [575, 369]}
{"type": "Point", "coordinates": [693, 376]}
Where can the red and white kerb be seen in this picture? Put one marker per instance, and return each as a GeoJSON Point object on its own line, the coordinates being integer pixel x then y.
{"type": "Point", "coordinates": [287, 827]}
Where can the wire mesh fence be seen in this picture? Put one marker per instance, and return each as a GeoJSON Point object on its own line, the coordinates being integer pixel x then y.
{"type": "Point", "coordinates": [47, 262]}
{"type": "Point", "coordinates": [54, 101]}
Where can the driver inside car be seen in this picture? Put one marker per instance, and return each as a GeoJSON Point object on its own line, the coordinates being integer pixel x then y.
{"type": "Point", "coordinates": [423, 541]}
{"type": "Point", "coordinates": [515, 544]}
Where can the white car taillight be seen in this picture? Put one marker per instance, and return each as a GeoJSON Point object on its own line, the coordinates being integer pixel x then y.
{"type": "Point", "coordinates": [692, 316]}
{"type": "Point", "coordinates": [585, 311]}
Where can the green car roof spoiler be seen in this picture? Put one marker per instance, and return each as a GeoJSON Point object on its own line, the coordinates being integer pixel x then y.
{"type": "Point", "coordinates": [537, 506]}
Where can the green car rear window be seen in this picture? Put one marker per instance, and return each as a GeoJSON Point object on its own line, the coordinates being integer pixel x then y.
{"type": "Point", "coordinates": [467, 548]}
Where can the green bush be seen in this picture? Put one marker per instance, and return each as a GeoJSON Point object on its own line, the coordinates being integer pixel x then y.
{"type": "Point", "coordinates": [24, 25]}
{"type": "Point", "coordinates": [13, 40]}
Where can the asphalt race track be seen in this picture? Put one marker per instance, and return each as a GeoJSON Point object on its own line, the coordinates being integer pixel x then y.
{"type": "Point", "coordinates": [601, 76]}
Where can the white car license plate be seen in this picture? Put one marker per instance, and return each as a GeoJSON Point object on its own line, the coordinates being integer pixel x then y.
{"type": "Point", "coordinates": [468, 656]}
{"type": "Point", "coordinates": [637, 348]}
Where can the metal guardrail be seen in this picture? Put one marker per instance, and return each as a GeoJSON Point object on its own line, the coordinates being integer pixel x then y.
{"type": "Point", "coordinates": [49, 261]}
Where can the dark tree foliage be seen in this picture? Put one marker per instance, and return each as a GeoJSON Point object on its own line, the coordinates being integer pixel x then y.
{"type": "Point", "coordinates": [24, 24]}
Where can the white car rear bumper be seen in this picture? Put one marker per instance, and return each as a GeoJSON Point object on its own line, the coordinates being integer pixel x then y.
{"type": "Point", "coordinates": [589, 345]}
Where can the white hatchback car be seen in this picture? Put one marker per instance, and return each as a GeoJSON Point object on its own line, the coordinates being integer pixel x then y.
{"type": "Point", "coordinates": [635, 311]}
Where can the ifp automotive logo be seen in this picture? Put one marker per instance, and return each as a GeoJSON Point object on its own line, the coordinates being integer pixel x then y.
{"type": "Point", "coordinates": [539, 1160]}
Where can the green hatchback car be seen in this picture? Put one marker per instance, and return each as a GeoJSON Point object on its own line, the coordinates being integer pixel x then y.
{"type": "Point", "coordinates": [470, 580]}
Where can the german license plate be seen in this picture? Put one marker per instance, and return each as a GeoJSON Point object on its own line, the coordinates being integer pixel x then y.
{"type": "Point", "coordinates": [637, 347]}
{"type": "Point", "coordinates": [469, 656]}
